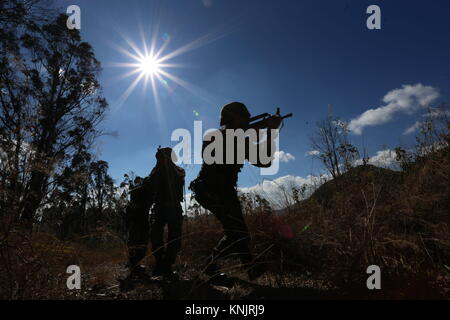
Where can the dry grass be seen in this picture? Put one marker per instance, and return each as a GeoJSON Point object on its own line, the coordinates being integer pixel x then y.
{"type": "Point", "coordinates": [398, 221]}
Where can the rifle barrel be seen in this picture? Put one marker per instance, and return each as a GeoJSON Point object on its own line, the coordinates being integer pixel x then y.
{"type": "Point", "coordinates": [262, 115]}
{"type": "Point", "coordinates": [265, 115]}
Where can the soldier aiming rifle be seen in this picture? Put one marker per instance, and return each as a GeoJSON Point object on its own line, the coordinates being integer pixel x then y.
{"type": "Point", "coordinates": [215, 189]}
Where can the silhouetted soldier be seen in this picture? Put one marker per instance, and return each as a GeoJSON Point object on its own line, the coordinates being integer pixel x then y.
{"type": "Point", "coordinates": [163, 189]}
{"type": "Point", "coordinates": [215, 189]}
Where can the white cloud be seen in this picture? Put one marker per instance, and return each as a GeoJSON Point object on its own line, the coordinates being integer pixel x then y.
{"type": "Point", "coordinates": [312, 153]}
{"type": "Point", "coordinates": [437, 113]}
{"type": "Point", "coordinates": [283, 156]}
{"type": "Point", "coordinates": [407, 100]}
{"type": "Point", "coordinates": [413, 128]}
{"type": "Point", "coordinates": [384, 159]}
{"type": "Point", "coordinates": [433, 113]}
{"type": "Point", "coordinates": [187, 201]}
{"type": "Point", "coordinates": [423, 150]}
{"type": "Point", "coordinates": [279, 191]}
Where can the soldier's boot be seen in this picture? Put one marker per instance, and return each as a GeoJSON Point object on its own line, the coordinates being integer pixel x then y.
{"type": "Point", "coordinates": [125, 284]}
{"type": "Point", "coordinates": [139, 272]}
{"type": "Point", "coordinates": [211, 268]}
{"type": "Point", "coordinates": [255, 271]}
{"type": "Point", "coordinates": [169, 274]}
{"type": "Point", "coordinates": [216, 276]}
{"type": "Point", "coordinates": [255, 267]}
{"type": "Point", "coordinates": [133, 265]}
{"type": "Point", "coordinates": [159, 269]}
{"type": "Point", "coordinates": [138, 269]}
{"type": "Point", "coordinates": [166, 266]}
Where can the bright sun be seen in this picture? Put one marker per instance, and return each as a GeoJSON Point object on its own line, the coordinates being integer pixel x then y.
{"type": "Point", "coordinates": [149, 66]}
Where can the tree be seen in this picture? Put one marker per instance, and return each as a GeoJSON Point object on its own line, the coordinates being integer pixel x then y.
{"type": "Point", "coordinates": [50, 105]}
{"type": "Point", "coordinates": [16, 13]}
{"type": "Point", "coordinates": [334, 149]}
{"type": "Point", "coordinates": [101, 186]}
{"type": "Point", "coordinates": [72, 192]}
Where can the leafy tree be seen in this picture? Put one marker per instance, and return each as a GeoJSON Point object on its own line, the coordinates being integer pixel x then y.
{"type": "Point", "coordinates": [101, 186]}
{"type": "Point", "coordinates": [50, 106]}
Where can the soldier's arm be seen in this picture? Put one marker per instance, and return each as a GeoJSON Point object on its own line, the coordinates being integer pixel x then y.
{"type": "Point", "coordinates": [266, 146]}
{"type": "Point", "coordinates": [182, 172]}
{"type": "Point", "coordinates": [152, 179]}
{"type": "Point", "coordinates": [150, 185]}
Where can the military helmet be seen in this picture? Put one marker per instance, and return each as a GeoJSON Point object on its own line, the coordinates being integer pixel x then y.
{"type": "Point", "coordinates": [232, 111]}
{"type": "Point", "coordinates": [165, 153]}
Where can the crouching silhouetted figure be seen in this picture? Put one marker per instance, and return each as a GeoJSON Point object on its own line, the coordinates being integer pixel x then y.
{"type": "Point", "coordinates": [162, 189]}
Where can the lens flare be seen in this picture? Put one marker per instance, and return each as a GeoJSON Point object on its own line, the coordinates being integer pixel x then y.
{"type": "Point", "coordinates": [149, 66]}
{"type": "Point", "coordinates": [150, 63]}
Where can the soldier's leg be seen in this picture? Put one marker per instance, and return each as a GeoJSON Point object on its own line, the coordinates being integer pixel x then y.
{"type": "Point", "coordinates": [157, 237]}
{"type": "Point", "coordinates": [236, 231]}
{"type": "Point", "coordinates": [174, 237]}
{"type": "Point", "coordinates": [235, 241]}
{"type": "Point", "coordinates": [138, 228]}
{"type": "Point", "coordinates": [237, 234]}
{"type": "Point", "coordinates": [225, 206]}
{"type": "Point", "coordinates": [238, 239]}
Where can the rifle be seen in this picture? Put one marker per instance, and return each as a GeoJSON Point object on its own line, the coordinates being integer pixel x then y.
{"type": "Point", "coordinates": [261, 124]}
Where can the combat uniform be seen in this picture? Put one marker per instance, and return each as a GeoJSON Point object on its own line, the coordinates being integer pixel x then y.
{"type": "Point", "coordinates": [215, 190]}
{"type": "Point", "coordinates": [163, 189]}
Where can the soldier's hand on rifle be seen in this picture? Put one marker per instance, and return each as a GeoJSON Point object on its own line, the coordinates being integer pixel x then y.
{"type": "Point", "coordinates": [274, 121]}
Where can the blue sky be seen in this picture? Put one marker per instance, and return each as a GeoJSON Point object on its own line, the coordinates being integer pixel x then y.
{"type": "Point", "coordinates": [298, 55]}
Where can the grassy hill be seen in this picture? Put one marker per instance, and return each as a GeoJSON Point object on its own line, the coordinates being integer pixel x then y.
{"type": "Point", "coordinates": [318, 249]}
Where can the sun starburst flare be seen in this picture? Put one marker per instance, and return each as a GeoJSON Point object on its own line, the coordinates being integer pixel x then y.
{"type": "Point", "coordinates": [149, 65]}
